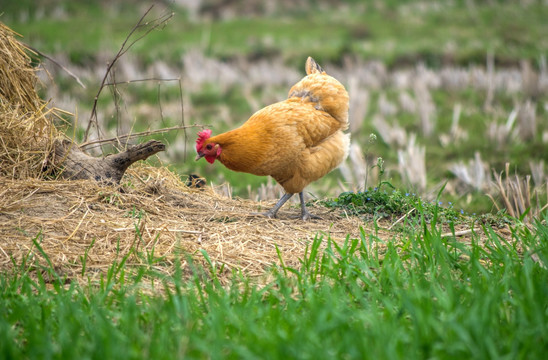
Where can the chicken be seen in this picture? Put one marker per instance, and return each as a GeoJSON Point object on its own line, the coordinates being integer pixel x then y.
{"type": "Point", "coordinates": [296, 141]}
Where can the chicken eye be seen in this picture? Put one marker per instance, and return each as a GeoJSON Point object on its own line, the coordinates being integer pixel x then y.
{"type": "Point", "coordinates": [209, 146]}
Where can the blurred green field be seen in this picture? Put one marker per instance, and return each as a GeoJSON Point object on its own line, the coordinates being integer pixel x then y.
{"type": "Point", "coordinates": [394, 32]}
{"type": "Point", "coordinates": [456, 35]}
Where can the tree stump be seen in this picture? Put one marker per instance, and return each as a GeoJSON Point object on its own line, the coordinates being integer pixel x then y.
{"type": "Point", "coordinates": [76, 164]}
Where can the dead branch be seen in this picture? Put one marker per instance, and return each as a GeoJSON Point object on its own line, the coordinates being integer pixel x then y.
{"type": "Point", "coordinates": [55, 62]}
{"type": "Point", "coordinates": [77, 165]}
{"type": "Point", "coordinates": [152, 25]}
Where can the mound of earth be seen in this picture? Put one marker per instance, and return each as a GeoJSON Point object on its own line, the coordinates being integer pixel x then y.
{"type": "Point", "coordinates": [155, 220]}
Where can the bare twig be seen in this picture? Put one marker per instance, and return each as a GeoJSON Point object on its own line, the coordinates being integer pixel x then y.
{"type": "Point", "coordinates": [459, 233]}
{"type": "Point", "coordinates": [179, 80]}
{"type": "Point", "coordinates": [160, 103]}
{"type": "Point", "coordinates": [58, 64]}
{"type": "Point", "coordinates": [117, 100]}
{"type": "Point", "coordinates": [400, 219]}
{"type": "Point", "coordinates": [183, 116]}
{"type": "Point", "coordinates": [123, 49]}
{"type": "Point", "coordinates": [134, 135]}
{"type": "Point", "coordinates": [161, 229]}
{"type": "Point", "coordinates": [140, 80]}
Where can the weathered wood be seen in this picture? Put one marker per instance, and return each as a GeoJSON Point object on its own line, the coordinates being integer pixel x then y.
{"type": "Point", "coordinates": [76, 164]}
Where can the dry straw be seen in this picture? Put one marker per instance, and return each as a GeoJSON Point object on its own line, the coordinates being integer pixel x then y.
{"type": "Point", "coordinates": [152, 212]}
{"type": "Point", "coordinates": [26, 130]}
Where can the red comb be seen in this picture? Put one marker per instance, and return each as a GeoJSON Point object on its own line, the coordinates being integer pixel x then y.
{"type": "Point", "coordinates": [202, 136]}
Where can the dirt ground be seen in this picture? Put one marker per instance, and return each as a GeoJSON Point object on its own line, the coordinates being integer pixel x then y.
{"type": "Point", "coordinates": [154, 212]}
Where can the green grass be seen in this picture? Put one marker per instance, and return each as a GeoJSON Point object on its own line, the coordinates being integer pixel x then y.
{"type": "Point", "coordinates": [423, 296]}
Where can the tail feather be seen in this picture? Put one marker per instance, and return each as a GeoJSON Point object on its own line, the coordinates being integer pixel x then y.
{"type": "Point", "coordinates": [325, 92]}
{"type": "Point", "coordinates": [313, 67]}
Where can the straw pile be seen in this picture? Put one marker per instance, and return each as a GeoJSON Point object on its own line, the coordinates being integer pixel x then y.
{"type": "Point", "coordinates": [151, 212]}
{"type": "Point", "coordinates": [26, 129]}
{"type": "Point", "coordinates": [152, 217]}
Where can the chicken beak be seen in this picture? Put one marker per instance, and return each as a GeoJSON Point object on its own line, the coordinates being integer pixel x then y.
{"type": "Point", "coordinates": [199, 156]}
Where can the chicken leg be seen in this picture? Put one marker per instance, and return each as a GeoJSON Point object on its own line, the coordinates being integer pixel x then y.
{"type": "Point", "coordinates": [272, 212]}
{"type": "Point", "coordinates": [305, 215]}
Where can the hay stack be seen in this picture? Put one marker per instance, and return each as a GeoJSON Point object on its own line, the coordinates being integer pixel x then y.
{"type": "Point", "coordinates": [26, 127]}
{"type": "Point", "coordinates": [28, 138]}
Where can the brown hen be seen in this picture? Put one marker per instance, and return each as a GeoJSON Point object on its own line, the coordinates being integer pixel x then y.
{"type": "Point", "coordinates": [296, 141]}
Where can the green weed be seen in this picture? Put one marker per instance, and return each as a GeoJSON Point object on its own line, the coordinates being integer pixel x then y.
{"type": "Point", "coordinates": [379, 202]}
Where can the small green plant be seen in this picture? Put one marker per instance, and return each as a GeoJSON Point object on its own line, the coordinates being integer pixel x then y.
{"type": "Point", "coordinates": [144, 251]}
{"type": "Point", "coordinates": [380, 162]}
{"type": "Point", "coordinates": [392, 203]}
{"type": "Point", "coordinates": [84, 258]}
{"type": "Point", "coordinates": [111, 198]}
{"type": "Point", "coordinates": [135, 214]}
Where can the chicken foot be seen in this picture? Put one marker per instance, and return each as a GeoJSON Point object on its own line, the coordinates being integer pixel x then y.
{"type": "Point", "coordinates": [305, 215]}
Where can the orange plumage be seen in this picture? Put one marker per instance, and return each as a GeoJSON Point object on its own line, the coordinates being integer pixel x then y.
{"type": "Point", "coordinates": [296, 141]}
